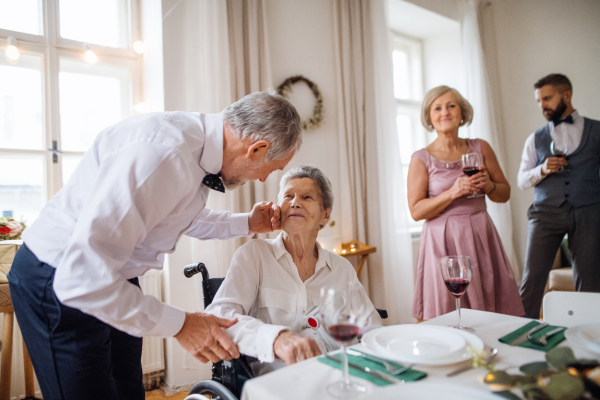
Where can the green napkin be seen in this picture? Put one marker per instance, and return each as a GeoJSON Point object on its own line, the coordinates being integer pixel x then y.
{"type": "Point", "coordinates": [552, 342]}
{"type": "Point", "coordinates": [408, 376]}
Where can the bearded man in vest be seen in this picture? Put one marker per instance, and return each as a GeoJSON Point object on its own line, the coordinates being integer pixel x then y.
{"type": "Point", "coordinates": [562, 161]}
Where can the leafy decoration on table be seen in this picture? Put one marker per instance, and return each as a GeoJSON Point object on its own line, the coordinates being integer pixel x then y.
{"type": "Point", "coordinates": [561, 377]}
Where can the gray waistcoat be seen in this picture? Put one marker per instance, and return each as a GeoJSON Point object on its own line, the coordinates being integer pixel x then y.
{"type": "Point", "coordinates": [580, 186]}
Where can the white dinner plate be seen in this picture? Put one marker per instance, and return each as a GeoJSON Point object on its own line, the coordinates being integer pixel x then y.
{"type": "Point", "coordinates": [369, 340]}
{"type": "Point", "coordinates": [586, 336]}
{"type": "Point", "coordinates": [434, 391]}
{"type": "Point", "coordinates": [416, 343]}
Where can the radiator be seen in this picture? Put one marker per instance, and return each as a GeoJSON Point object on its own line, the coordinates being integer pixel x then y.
{"type": "Point", "coordinates": [153, 358]}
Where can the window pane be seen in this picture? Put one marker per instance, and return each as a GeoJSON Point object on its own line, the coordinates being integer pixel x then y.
{"type": "Point", "coordinates": [405, 137]}
{"type": "Point", "coordinates": [91, 99]}
{"type": "Point", "coordinates": [22, 187]}
{"type": "Point", "coordinates": [22, 16]}
{"type": "Point", "coordinates": [69, 163]}
{"type": "Point", "coordinates": [92, 21]}
{"type": "Point", "coordinates": [21, 118]}
{"type": "Point", "coordinates": [401, 75]}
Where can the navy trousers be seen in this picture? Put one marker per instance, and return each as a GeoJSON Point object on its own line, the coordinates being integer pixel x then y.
{"type": "Point", "coordinates": [75, 356]}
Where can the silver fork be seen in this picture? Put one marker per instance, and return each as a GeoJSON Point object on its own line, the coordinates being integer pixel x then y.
{"type": "Point", "coordinates": [544, 339]}
{"type": "Point", "coordinates": [391, 369]}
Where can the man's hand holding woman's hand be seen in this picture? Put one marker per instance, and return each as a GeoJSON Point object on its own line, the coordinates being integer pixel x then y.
{"type": "Point", "coordinates": [292, 347]}
{"type": "Point", "coordinates": [264, 217]}
{"type": "Point", "coordinates": [202, 335]}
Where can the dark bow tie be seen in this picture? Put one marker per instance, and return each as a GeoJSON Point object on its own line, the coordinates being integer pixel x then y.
{"type": "Point", "coordinates": [214, 182]}
{"type": "Point", "coordinates": [568, 120]}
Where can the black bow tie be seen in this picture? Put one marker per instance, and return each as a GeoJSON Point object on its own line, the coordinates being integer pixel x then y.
{"type": "Point", "coordinates": [214, 182]}
{"type": "Point", "coordinates": [568, 120]}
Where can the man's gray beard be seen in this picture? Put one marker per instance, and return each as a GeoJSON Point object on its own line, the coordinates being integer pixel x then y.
{"type": "Point", "coordinates": [239, 177]}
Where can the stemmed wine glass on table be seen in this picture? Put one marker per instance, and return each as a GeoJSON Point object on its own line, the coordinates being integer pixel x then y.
{"type": "Point", "coordinates": [471, 164]}
{"type": "Point", "coordinates": [343, 321]}
{"type": "Point", "coordinates": [558, 148]}
{"type": "Point", "coordinates": [457, 272]}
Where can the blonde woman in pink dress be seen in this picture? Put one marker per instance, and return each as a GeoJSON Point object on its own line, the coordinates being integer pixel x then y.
{"type": "Point", "coordinates": [438, 192]}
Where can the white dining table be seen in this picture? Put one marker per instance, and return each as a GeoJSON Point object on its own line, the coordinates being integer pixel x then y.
{"type": "Point", "coordinates": [309, 379]}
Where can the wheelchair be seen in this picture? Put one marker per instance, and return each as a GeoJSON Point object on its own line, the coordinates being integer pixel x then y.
{"type": "Point", "coordinates": [228, 377]}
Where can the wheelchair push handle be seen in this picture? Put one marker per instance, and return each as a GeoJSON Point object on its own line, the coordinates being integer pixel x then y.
{"type": "Point", "coordinates": [197, 268]}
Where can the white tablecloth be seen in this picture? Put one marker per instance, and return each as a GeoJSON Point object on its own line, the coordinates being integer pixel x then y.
{"type": "Point", "coordinates": [309, 379]}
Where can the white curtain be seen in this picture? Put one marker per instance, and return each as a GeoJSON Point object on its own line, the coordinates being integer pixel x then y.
{"type": "Point", "coordinates": [373, 188]}
{"type": "Point", "coordinates": [482, 90]}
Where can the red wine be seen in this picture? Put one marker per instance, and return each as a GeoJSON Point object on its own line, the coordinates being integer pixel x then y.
{"type": "Point", "coordinates": [457, 286]}
{"type": "Point", "coordinates": [470, 171]}
{"type": "Point", "coordinates": [343, 332]}
{"type": "Point", "coordinates": [559, 154]}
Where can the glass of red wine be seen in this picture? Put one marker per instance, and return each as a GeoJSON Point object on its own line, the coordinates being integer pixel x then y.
{"type": "Point", "coordinates": [558, 148]}
{"type": "Point", "coordinates": [471, 164]}
{"type": "Point", "coordinates": [457, 272]}
{"type": "Point", "coordinates": [343, 321]}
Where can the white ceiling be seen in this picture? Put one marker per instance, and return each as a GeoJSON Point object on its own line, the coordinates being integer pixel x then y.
{"type": "Point", "coordinates": [412, 20]}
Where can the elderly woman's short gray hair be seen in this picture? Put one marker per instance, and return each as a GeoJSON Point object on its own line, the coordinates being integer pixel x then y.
{"type": "Point", "coordinates": [465, 107]}
{"type": "Point", "coordinates": [314, 173]}
{"type": "Point", "coordinates": [266, 116]}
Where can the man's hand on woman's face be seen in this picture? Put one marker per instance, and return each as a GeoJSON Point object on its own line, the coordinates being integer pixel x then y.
{"type": "Point", "coordinates": [291, 347]}
{"type": "Point", "coordinates": [264, 217]}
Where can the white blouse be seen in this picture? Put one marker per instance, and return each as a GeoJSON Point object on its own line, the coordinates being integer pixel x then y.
{"type": "Point", "coordinates": [263, 290]}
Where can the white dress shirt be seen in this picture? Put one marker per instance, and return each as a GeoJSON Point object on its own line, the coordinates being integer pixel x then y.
{"type": "Point", "coordinates": [263, 290]}
{"type": "Point", "coordinates": [530, 173]}
{"type": "Point", "coordinates": [134, 193]}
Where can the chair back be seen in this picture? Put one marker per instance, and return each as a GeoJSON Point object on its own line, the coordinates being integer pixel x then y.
{"type": "Point", "coordinates": [571, 308]}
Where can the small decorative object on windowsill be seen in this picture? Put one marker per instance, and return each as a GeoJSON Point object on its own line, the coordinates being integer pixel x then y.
{"type": "Point", "coordinates": [11, 229]}
{"type": "Point", "coordinates": [319, 110]}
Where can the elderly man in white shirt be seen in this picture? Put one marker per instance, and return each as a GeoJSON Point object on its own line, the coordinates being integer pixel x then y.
{"type": "Point", "coordinates": [144, 182]}
{"type": "Point", "coordinates": [272, 283]}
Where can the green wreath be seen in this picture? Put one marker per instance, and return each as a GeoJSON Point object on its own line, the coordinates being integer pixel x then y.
{"type": "Point", "coordinates": [318, 112]}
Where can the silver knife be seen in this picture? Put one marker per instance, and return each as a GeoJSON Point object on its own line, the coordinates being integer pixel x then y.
{"type": "Point", "coordinates": [369, 371]}
{"type": "Point", "coordinates": [368, 356]}
{"type": "Point", "coordinates": [523, 337]}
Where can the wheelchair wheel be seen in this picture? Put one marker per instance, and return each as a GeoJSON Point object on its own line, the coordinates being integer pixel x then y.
{"type": "Point", "coordinates": [213, 390]}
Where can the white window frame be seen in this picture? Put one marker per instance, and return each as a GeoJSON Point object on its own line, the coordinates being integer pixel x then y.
{"type": "Point", "coordinates": [411, 107]}
{"type": "Point", "coordinates": [51, 47]}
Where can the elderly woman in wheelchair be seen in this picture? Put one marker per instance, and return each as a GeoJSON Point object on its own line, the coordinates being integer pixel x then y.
{"type": "Point", "coordinates": [273, 283]}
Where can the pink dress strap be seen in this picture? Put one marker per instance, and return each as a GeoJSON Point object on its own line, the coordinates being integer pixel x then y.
{"type": "Point", "coordinates": [422, 155]}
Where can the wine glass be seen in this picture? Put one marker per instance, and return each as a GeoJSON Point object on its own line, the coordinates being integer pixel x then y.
{"type": "Point", "coordinates": [456, 272]}
{"type": "Point", "coordinates": [558, 148]}
{"type": "Point", "coordinates": [343, 321]}
{"type": "Point", "coordinates": [471, 164]}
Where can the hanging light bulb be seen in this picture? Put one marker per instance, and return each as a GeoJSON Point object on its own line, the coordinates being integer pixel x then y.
{"type": "Point", "coordinates": [11, 49]}
{"type": "Point", "coordinates": [90, 56]}
{"type": "Point", "coordinates": [139, 46]}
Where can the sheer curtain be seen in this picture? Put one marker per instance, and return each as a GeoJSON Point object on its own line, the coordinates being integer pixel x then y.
{"type": "Point", "coordinates": [373, 188]}
{"type": "Point", "coordinates": [482, 91]}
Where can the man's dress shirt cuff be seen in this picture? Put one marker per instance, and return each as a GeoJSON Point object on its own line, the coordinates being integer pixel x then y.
{"type": "Point", "coordinates": [265, 338]}
{"type": "Point", "coordinates": [239, 224]}
{"type": "Point", "coordinates": [170, 322]}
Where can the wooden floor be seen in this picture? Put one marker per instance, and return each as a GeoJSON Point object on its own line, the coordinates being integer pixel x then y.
{"type": "Point", "coordinates": [159, 394]}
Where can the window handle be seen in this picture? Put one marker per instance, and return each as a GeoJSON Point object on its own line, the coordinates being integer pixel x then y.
{"type": "Point", "coordinates": [55, 151]}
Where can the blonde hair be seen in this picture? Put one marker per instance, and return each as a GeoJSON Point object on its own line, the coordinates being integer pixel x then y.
{"type": "Point", "coordinates": [465, 107]}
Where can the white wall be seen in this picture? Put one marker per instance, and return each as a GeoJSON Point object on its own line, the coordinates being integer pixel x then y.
{"type": "Point", "coordinates": [533, 39]}
{"type": "Point", "coordinates": [443, 60]}
{"type": "Point", "coordinates": [301, 42]}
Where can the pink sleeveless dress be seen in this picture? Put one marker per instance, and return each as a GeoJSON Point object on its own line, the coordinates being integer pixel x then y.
{"type": "Point", "coordinates": [464, 228]}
